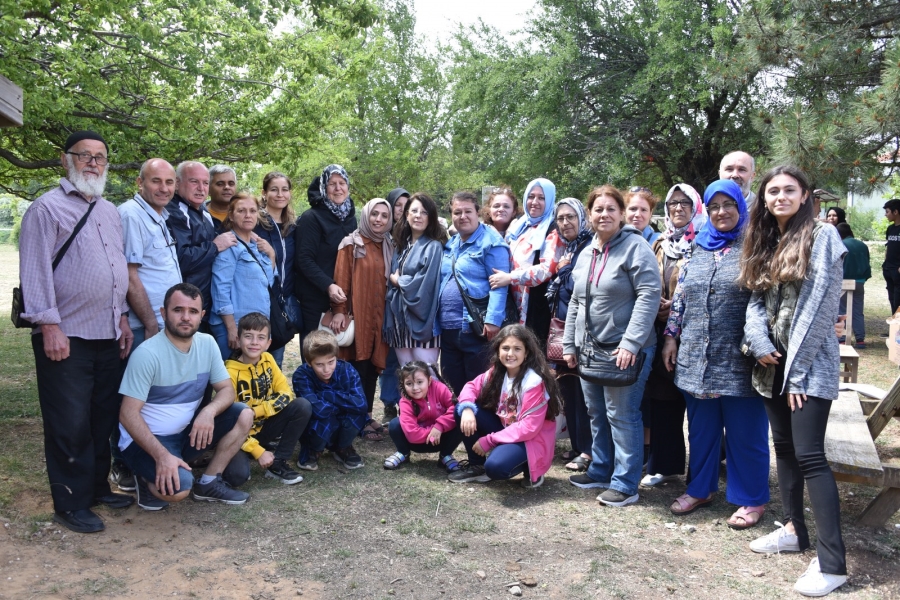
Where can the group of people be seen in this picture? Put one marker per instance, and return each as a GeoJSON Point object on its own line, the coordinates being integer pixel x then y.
{"type": "Point", "coordinates": [482, 337]}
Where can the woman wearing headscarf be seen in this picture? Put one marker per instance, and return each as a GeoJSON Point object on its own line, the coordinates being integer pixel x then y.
{"type": "Point", "coordinates": [708, 313]}
{"type": "Point", "coordinates": [536, 249]}
{"type": "Point", "coordinates": [330, 218]}
{"type": "Point", "coordinates": [573, 227]}
{"type": "Point", "coordinates": [362, 270]}
{"type": "Point", "coordinates": [664, 405]}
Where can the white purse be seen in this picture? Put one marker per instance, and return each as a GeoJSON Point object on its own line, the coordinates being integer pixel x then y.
{"type": "Point", "coordinates": [345, 338]}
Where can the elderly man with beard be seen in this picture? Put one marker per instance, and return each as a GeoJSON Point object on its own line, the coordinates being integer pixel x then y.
{"type": "Point", "coordinates": [163, 422]}
{"type": "Point", "coordinates": [740, 168]}
{"type": "Point", "coordinates": [196, 241]}
{"type": "Point", "coordinates": [81, 330]}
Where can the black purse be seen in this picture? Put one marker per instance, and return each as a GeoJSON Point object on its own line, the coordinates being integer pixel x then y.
{"type": "Point", "coordinates": [281, 328]}
{"type": "Point", "coordinates": [596, 361]}
{"type": "Point", "coordinates": [18, 298]}
{"type": "Point", "coordinates": [477, 307]}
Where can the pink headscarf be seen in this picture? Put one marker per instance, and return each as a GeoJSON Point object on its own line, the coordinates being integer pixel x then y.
{"type": "Point", "coordinates": [677, 240]}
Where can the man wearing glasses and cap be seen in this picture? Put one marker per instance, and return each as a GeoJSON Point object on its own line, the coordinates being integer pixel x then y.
{"type": "Point", "coordinates": [81, 332]}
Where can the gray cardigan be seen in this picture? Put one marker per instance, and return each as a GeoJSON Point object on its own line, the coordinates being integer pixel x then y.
{"type": "Point", "coordinates": [813, 356]}
{"type": "Point", "coordinates": [412, 306]}
{"type": "Point", "coordinates": [624, 304]}
{"type": "Point", "coordinates": [709, 358]}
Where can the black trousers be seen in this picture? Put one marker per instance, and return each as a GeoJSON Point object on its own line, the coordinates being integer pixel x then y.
{"type": "Point", "coordinates": [464, 356]}
{"type": "Point", "coordinates": [667, 451]}
{"type": "Point", "coordinates": [892, 281]}
{"type": "Point", "coordinates": [368, 373]}
{"type": "Point", "coordinates": [799, 440]}
{"type": "Point", "coordinates": [80, 402]}
{"type": "Point", "coordinates": [577, 419]}
{"type": "Point", "coordinates": [286, 426]}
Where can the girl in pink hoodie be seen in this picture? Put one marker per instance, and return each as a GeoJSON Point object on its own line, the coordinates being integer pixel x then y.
{"type": "Point", "coordinates": [426, 422]}
{"type": "Point", "coordinates": [507, 415]}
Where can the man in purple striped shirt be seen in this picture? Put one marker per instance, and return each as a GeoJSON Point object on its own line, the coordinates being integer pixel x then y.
{"type": "Point", "coordinates": [81, 331]}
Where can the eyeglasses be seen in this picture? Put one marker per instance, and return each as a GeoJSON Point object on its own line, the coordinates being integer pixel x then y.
{"type": "Point", "coordinates": [676, 203]}
{"type": "Point", "coordinates": [87, 157]}
{"type": "Point", "coordinates": [714, 208]}
{"type": "Point", "coordinates": [567, 218]}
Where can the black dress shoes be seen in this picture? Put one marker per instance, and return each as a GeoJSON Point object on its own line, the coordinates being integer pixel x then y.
{"type": "Point", "coordinates": [80, 521]}
{"type": "Point", "coordinates": [114, 500]}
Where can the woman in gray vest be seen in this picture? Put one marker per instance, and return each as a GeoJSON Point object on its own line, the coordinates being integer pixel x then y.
{"type": "Point", "coordinates": [707, 314]}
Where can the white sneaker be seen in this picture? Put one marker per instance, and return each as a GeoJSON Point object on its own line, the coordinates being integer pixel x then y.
{"type": "Point", "coordinates": [777, 541]}
{"type": "Point", "coordinates": [654, 480]}
{"type": "Point", "coordinates": [816, 583]}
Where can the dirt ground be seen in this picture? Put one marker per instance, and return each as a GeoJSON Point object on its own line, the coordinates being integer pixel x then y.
{"type": "Point", "coordinates": [371, 533]}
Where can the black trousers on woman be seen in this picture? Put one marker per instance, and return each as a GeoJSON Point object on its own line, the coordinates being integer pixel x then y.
{"type": "Point", "coordinates": [577, 420]}
{"type": "Point", "coordinates": [799, 439]}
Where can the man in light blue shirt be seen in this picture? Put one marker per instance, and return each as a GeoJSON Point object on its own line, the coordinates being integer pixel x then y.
{"type": "Point", "coordinates": [149, 248]}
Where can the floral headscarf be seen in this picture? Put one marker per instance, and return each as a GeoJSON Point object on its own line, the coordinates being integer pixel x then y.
{"type": "Point", "coordinates": [339, 210]}
{"type": "Point", "coordinates": [677, 241]}
{"type": "Point", "coordinates": [584, 228]}
{"type": "Point", "coordinates": [538, 226]}
{"type": "Point", "coordinates": [365, 231]}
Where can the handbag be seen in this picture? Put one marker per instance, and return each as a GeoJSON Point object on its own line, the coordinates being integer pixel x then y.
{"type": "Point", "coordinates": [346, 337]}
{"type": "Point", "coordinates": [18, 298]}
{"type": "Point", "coordinates": [555, 340]}
{"type": "Point", "coordinates": [281, 329]}
{"type": "Point", "coordinates": [596, 361]}
{"type": "Point", "coordinates": [477, 307]}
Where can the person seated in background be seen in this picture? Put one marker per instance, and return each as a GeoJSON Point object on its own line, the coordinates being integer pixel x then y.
{"type": "Point", "coordinates": [163, 425]}
{"type": "Point", "coordinates": [278, 418]}
{"type": "Point", "coordinates": [857, 266]}
{"type": "Point", "coordinates": [339, 410]}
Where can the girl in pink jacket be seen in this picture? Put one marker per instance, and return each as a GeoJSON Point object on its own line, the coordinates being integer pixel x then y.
{"type": "Point", "coordinates": [426, 422]}
{"type": "Point", "coordinates": [507, 415]}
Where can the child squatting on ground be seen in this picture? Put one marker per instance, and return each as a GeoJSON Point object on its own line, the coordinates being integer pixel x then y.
{"type": "Point", "coordinates": [278, 418]}
{"type": "Point", "coordinates": [507, 415]}
{"type": "Point", "coordinates": [339, 410]}
{"type": "Point", "coordinates": [426, 423]}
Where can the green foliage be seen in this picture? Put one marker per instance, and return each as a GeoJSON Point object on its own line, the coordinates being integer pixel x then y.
{"type": "Point", "coordinates": [867, 225]}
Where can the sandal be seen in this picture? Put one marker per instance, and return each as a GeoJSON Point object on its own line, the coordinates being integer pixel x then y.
{"type": "Point", "coordinates": [568, 455]}
{"type": "Point", "coordinates": [685, 504]}
{"type": "Point", "coordinates": [579, 464]}
{"type": "Point", "coordinates": [746, 521]}
{"type": "Point", "coordinates": [395, 460]}
{"type": "Point", "coordinates": [372, 431]}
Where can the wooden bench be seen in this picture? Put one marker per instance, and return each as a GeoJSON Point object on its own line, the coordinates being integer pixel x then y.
{"type": "Point", "coordinates": [850, 448]}
{"type": "Point", "coordinates": [849, 363]}
{"type": "Point", "coordinates": [848, 286]}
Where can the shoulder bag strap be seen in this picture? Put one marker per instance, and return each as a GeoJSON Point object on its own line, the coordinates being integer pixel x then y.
{"type": "Point", "coordinates": [78, 226]}
{"type": "Point", "coordinates": [265, 273]}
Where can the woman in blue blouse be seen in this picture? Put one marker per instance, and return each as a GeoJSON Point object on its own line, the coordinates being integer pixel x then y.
{"type": "Point", "coordinates": [242, 274]}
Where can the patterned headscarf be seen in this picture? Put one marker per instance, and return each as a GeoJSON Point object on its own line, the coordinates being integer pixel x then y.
{"type": "Point", "coordinates": [711, 238]}
{"type": "Point", "coordinates": [365, 231]}
{"type": "Point", "coordinates": [677, 240]}
{"type": "Point", "coordinates": [539, 225]}
{"type": "Point", "coordinates": [584, 228]}
{"type": "Point", "coordinates": [339, 210]}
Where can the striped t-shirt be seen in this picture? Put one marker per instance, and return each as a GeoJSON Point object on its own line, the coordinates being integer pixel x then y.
{"type": "Point", "coordinates": [170, 382]}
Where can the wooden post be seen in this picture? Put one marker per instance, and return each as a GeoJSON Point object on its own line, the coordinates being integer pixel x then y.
{"type": "Point", "coordinates": [10, 103]}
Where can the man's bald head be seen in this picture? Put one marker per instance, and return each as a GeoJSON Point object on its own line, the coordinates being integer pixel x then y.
{"type": "Point", "coordinates": [156, 183]}
{"type": "Point", "coordinates": [192, 179]}
{"type": "Point", "coordinates": [739, 167]}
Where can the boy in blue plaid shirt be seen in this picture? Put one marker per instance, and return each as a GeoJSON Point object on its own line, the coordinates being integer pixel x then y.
{"type": "Point", "coordinates": [339, 410]}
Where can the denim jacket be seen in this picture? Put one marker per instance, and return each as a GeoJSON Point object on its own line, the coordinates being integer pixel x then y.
{"type": "Point", "coordinates": [476, 259]}
{"type": "Point", "coordinates": [239, 285]}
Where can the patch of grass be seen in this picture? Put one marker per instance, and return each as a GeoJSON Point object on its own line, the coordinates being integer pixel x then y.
{"type": "Point", "coordinates": [476, 523]}
{"type": "Point", "coordinates": [344, 553]}
{"type": "Point", "coordinates": [105, 585]}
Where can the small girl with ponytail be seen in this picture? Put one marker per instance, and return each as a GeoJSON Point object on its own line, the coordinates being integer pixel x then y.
{"type": "Point", "coordinates": [426, 422]}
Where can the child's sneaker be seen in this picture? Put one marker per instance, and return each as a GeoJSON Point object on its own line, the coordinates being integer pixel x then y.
{"type": "Point", "coordinates": [279, 469]}
{"type": "Point", "coordinates": [449, 463]}
{"type": "Point", "coordinates": [395, 460]}
{"type": "Point", "coordinates": [349, 458]}
{"type": "Point", "coordinates": [145, 499]}
{"type": "Point", "coordinates": [528, 484]}
{"type": "Point", "coordinates": [816, 583]}
{"type": "Point", "coordinates": [311, 464]}
{"type": "Point", "coordinates": [466, 473]}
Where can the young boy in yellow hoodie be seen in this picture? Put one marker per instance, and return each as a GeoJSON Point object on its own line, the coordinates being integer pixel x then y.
{"type": "Point", "coordinates": [279, 418]}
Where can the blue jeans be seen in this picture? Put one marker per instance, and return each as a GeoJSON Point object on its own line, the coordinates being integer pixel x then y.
{"type": "Point", "coordinates": [746, 447]}
{"type": "Point", "coordinates": [220, 332]}
{"type": "Point", "coordinates": [464, 356]}
{"type": "Point", "coordinates": [504, 461]}
{"type": "Point", "coordinates": [179, 444]}
{"type": "Point", "coordinates": [390, 387]}
{"type": "Point", "coordinates": [449, 441]}
{"type": "Point", "coordinates": [618, 449]}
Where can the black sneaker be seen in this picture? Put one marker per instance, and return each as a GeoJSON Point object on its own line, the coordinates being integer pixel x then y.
{"type": "Point", "coordinates": [582, 480]}
{"type": "Point", "coordinates": [311, 464]}
{"type": "Point", "coordinates": [145, 499]}
{"type": "Point", "coordinates": [617, 498]}
{"type": "Point", "coordinates": [121, 476]}
{"type": "Point", "coordinates": [468, 473]}
{"type": "Point", "coordinates": [349, 458]}
{"type": "Point", "coordinates": [80, 521]}
{"type": "Point", "coordinates": [280, 470]}
{"type": "Point", "coordinates": [218, 490]}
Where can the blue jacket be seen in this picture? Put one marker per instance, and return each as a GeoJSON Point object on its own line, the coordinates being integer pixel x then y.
{"type": "Point", "coordinates": [239, 284]}
{"type": "Point", "coordinates": [194, 233]}
{"type": "Point", "coordinates": [476, 259]}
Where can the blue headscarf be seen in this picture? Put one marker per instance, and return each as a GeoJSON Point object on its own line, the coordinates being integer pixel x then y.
{"type": "Point", "coordinates": [540, 225]}
{"type": "Point", "coordinates": [711, 238]}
